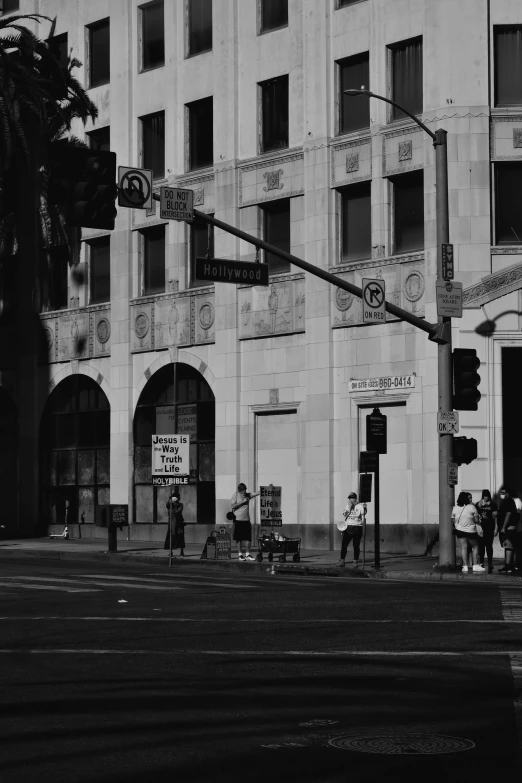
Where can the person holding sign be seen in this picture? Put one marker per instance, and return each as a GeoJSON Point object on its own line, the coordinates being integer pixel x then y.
{"type": "Point", "coordinates": [177, 523]}
{"type": "Point", "coordinates": [352, 528]}
{"type": "Point", "coordinates": [242, 528]}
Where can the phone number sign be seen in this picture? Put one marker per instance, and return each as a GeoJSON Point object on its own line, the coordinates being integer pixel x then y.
{"type": "Point", "coordinates": [394, 382]}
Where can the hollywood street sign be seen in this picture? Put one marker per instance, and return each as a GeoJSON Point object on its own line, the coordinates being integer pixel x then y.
{"type": "Point", "coordinates": [221, 270]}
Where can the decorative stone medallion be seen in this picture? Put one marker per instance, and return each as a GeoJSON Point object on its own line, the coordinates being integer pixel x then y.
{"type": "Point", "coordinates": [343, 301]}
{"type": "Point", "coordinates": [405, 150]}
{"type": "Point", "coordinates": [517, 138]}
{"type": "Point", "coordinates": [352, 162]}
{"type": "Point", "coordinates": [49, 337]}
{"type": "Point", "coordinates": [414, 286]}
{"type": "Point", "coordinates": [206, 317]}
{"type": "Point", "coordinates": [199, 197]}
{"type": "Point", "coordinates": [273, 180]}
{"type": "Point", "coordinates": [103, 330]}
{"type": "Point", "coordinates": [141, 325]}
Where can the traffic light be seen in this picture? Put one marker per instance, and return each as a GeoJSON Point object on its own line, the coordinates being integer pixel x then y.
{"type": "Point", "coordinates": [464, 450]}
{"type": "Point", "coordinates": [465, 379]}
{"type": "Point", "coordinates": [83, 185]}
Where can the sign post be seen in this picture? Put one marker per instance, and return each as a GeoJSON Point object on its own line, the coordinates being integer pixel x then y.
{"type": "Point", "coordinates": [377, 440]}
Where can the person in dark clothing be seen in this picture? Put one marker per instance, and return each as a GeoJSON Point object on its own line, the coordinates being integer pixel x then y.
{"type": "Point", "coordinates": [177, 522]}
{"type": "Point", "coordinates": [507, 528]}
{"type": "Point", "coordinates": [487, 511]}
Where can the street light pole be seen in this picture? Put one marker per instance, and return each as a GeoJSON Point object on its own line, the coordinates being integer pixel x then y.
{"type": "Point", "coordinates": [445, 374]}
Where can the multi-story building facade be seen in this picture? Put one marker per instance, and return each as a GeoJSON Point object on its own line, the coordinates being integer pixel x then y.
{"type": "Point", "coordinates": [242, 101]}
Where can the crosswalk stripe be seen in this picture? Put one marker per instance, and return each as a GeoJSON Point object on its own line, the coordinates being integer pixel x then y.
{"type": "Point", "coordinates": [49, 587]}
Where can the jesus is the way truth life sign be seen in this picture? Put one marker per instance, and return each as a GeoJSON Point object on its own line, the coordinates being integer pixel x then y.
{"type": "Point", "coordinates": [170, 459]}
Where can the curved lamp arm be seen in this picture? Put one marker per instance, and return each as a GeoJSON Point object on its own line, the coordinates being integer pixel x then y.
{"type": "Point", "coordinates": [387, 100]}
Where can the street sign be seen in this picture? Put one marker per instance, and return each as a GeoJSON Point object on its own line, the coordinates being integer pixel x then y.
{"type": "Point", "coordinates": [170, 459]}
{"type": "Point", "coordinates": [220, 270]}
{"type": "Point", "coordinates": [376, 432]}
{"type": "Point", "coordinates": [367, 461]}
{"type": "Point", "coordinates": [374, 310]}
{"type": "Point", "coordinates": [449, 299]}
{"type": "Point", "coordinates": [381, 384]}
{"type": "Point", "coordinates": [119, 515]}
{"type": "Point", "coordinates": [453, 474]}
{"type": "Point", "coordinates": [365, 488]}
{"type": "Point", "coordinates": [134, 188]}
{"type": "Point", "coordinates": [447, 422]}
{"type": "Point", "coordinates": [270, 505]}
{"type": "Point", "coordinates": [176, 204]}
{"type": "Point", "coordinates": [447, 262]}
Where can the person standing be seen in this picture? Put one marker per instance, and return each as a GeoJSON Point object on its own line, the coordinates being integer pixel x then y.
{"type": "Point", "coordinates": [518, 534]}
{"type": "Point", "coordinates": [177, 523]}
{"type": "Point", "coordinates": [487, 511]}
{"type": "Point", "coordinates": [352, 528]}
{"type": "Point", "coordinates": [507, 529]}
{"type": "Point", "coordinates": [465, 518]}
{"type": "Point", "coordinates": [243, 527]}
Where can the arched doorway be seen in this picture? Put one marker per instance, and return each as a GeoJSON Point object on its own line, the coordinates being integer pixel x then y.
{"type": "Point", "coordinates": [8, 464]}
{"type": "Point", "coordinates": [189, 409]}
{"type": "Point", "coordinates": [75, 454]}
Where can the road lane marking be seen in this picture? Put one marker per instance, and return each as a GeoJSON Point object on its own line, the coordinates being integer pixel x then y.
{"type": "Point", "coordinates": [122, 583]}
{"type": "Point", "coordinates": [262, 653]}
{"type": "Point", "coordinates": [271, 620]}
{"type": "Point", "coordinates": [174, 579]}
{"type": "Point", "coordinates": [48, 587]}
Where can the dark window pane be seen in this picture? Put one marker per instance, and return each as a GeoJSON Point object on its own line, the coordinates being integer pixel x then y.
{"type": "Point", "coordinates": [206, 421]}
{"type": "Point", "coordinates": [153, 35]}
{"type": "Point", "coordinates": [142, 464]}
{"type": "Point", "coordinates": [154, 260]}
{"type": "Point", "coordinates": [201, 133]}
{"type": "Point", "coordinates": [86, 467]}
{"type": "Point", "coordinates": [144, 425]}
{"type": "Point", "coordinates": [274, 107]}
{"type": "Point", "coordinates": [200, 26]}
{"type": "Point", "coordinates": [102, 428]}
{"type": "Point", "coordinates": [86, 432]}
{"type": "Point", "coordinates": [274, 13]}
{"type": "Point", "coordinates": [354, 110]}
{"type": "Point", "coordinates": [100, 270]}
{"type": "Point", "coordinates": [198, 247]}
{"type": "Point", "coordinates": [103, 466]}
{"type": "Point", "coordinates": [407, 77]}
{"type": "Point", "coordinates": [277, 233]}
{"type": "Point", "coordinates": [409, 212]}
{"type": "Point", "coordinates": [67, 467]}
{"type": "Point", "coordinates": [508, 66]}
{"type": "Point", "coordinates": [59, 47]}
{"type": "Point", "coordinates": [153, 129]}
{"type": "Point", "coordinates": [344, 3]}
{"type": "Point", "coordinates": [356, 222]}
{"type": "Point", "coordinates": [11, 5]}
{"type": "Point", "coordinates": [64, 431]}
{"type": "Point", "coordinates": [99, 53]}
{"type": "Point", "coordinates": [508, 206]}
{"type": "Point", "coordinates": [100, 139]}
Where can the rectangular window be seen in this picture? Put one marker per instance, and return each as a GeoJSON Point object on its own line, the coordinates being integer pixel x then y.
{"type": "Point", "coordinates": [201, 133]}
{"type": "Point", "coordinates": [154, 260]}
{"type": "Point", "coordinates": [7, 6]}
{"type": "Point", "coordinates": [508, 203]}
{"type": "Point", "coordinates": [198, 247]}
{"type": "Point", "coordinates": [408, 205]}
{"type": "Point", "coordinates": [356, 223]}
{"type": "Point", "coordinates": [274, 112]}
{"type": "Point", "coordinates": [199, 26]}
{"type": "Point", "coordinates": [276, 231]}
{"type": "Point", "coordinates": [153, 143]}
{"type": "Point", "coordinates": [100, 139]}
{"type": "Point", "coordinates": [274, 14]}
{"type": "Point", "coordinates": [354, 111]}
{"type": "Point", "coordinates": [508, 66]}
{"type": "Point", "coordinates": [100, 270]}
{"type": "Point", "coordinates": [59, 47]}
{"type": "Point", "coordinates": [99, 53]}
{"type": "Point", "coordinates": [152, 36]}
{"type": "Point", "coordinates": [406, 63]}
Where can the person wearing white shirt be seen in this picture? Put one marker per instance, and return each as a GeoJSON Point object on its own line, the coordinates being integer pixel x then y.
{"type": "Point", "coordinates": [352, 527]}
{"type": "Point", "coordinates": [465, 519]}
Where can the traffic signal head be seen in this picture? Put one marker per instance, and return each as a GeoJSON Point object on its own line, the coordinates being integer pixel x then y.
{"type": "Point", "coordinates": [464, 450]}
{"type": "Point", "coordinates": [465, 379]}
{"type": "Point", "coordinates": [83, 183]}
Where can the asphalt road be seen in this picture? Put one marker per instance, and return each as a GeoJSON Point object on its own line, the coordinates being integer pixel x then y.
{"type": "Point", "coordinates": [130, 673]}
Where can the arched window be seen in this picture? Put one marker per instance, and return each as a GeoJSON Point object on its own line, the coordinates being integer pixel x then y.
{"type": "Point", "coordinates": [75, 440]}
{"type": "Point", "coordinates": [189, 410]}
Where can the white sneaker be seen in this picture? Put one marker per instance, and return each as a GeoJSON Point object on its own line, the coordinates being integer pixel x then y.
{"type": "Point", "coordinates": [241, 557]}
{"type": "Point", "coordinates": [465, 569]}
{"type": "Point", "coordinates": [478, 569]}
{"type": "Point", "coordinates": [249, 557]}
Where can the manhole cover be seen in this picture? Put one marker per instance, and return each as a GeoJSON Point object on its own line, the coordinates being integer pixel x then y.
{"type": "Point", "coordinates": [403, 744]}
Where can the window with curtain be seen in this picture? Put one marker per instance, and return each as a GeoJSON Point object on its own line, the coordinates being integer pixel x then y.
{"type": "Point", "coordinates": [100, 139]}
{"type": "Point", "coordinates": [201, 133]}
{"type": "Point", "coordinates": [354, 111]}
{"type": "Point", "coordinates": [153, 143]}
{"type": "Point", "coordinates": [356, 223]}
{"type": "Point", "coordinates": [407, 77]}
{"type": "Point", "coordinates": [274, 14]}
{"type": "Point", "coordinates": [152, 35]}
{"type": "Point", "coordinates": [198, 247]}
{"type": "Point", "coordinates": [199, 26]}
{"type": "Point", "coordinates": [59, 46]}
{"type": "Point", "coordinates": [508, 65]}
{"type": "Point", "coordinates": [154, 260]}
{"type": "Point", "coordinates": [99, 53]}
{"type": "Point", "coordinates": [276, 231]}
{"type": "Point", "coordinates": [100, 270]}
{"type": "Point", "coordinates": [508, 203]}
{"type": "Point", "coordinates": [408, 207]}
{"type": "Point", "coordinates": [274, 112]}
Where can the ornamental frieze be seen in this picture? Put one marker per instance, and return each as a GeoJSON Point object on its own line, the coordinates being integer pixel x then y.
{"type": "Point", "coordinates": [493, 287]}
{"type": "Point", "coordinates": [265, 180]}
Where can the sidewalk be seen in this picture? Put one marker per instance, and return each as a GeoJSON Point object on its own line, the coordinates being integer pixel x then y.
{"type": "Point", "coordinates": [318, 562]}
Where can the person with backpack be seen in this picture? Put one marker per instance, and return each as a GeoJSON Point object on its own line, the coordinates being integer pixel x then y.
{"type": "Point", "coordinates": [487, 511]}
